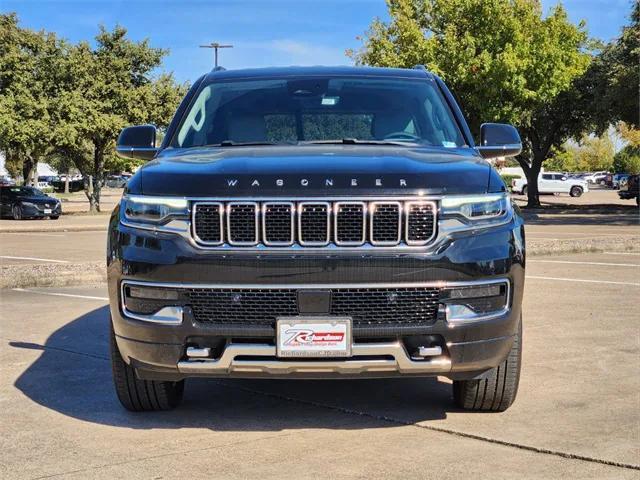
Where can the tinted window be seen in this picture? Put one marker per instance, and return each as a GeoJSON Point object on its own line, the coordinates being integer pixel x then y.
{"type": "Point", "coordinates": [546, 176]}
{"type": "Point", "coordinates": [26, 192]}
{"type": "Point", "coordinates": [317, 109]}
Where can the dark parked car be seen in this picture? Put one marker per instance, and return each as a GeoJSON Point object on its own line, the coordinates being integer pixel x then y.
{"type": "Point", "coordinates": [316, 223]}
{"type": "Point", "coordinates": [28, 202]}
{"type": "Point", "coordinates": [631, 189]}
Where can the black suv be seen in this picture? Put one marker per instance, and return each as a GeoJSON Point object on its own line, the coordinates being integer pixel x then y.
{"type": "Point", "coordinates": [316, 223]}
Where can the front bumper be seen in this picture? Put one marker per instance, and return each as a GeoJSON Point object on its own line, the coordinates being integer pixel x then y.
{"type": "Point", "coordinates": [38, 211]}
{"type": "Point", "coordinates": [158, 350]}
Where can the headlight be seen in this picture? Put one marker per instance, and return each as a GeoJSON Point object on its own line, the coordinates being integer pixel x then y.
{"type": "Point", "coordinates": [470, 212]}
{"type": "Point", "coordinates": [152, 211]}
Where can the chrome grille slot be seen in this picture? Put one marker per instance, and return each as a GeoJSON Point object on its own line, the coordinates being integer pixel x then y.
{"type": "Point", "coordinates": [420, 222]}
{"type": "Point", "coordinates": [386, 223]}
{"type": "Point", "coordinates": [207, 223]}
{"type": "Point", "coordinates": [242, 223]}
{"type": "Point", "coordinates": [350, 223]}
{"type": "Point", "coordinates": [277, 223]}
{"type": "Point", "coordinates": [314, 223]}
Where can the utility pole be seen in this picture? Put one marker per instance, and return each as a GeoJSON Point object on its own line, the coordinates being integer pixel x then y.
{"type": "Point", "coordinates": [216, 46]}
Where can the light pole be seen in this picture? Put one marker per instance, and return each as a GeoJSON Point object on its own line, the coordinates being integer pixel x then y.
{"type": "Point", "coordinates": [216, 46]}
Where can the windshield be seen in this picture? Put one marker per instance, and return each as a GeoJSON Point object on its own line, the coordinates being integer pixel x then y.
{"type": "Point", "coordinates": [291, 111]}
{"type": "Point", "coordinates": [27, 192]}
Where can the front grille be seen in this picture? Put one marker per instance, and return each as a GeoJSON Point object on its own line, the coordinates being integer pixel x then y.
{"type": "Point", "coordinates": [350, 220]}
{"type": "Point", "coordinates": [366, 306]}
{"type": "Point", "coordinates": [277, 223]}
{"type": "Point", "coordinates": [314, 223]}
{"type": "Point", "coordinates": [208, 223]}
{"type": "Point", "coordinates": [420, 222]}
{"type": "Point", "coordinates": [386, 219]}
{"type": "Point", "coordinates": [373, 223]}
{"type": "Point", "coordinates": [242, 223]}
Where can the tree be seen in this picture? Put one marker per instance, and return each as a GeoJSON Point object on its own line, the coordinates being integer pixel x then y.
{"type": "Point", "coordinates": [616, 77]}
{"type": "Point", "coordinates": [502, 59]}
{"type": "Point", "coordinates": [28, 61]}
{"type": "Point", "coordinates": [627, 160]}
{"type": "Point", "coordinates": [107, 88]}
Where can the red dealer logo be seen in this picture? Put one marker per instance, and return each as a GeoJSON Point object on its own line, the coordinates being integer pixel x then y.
{"type": "Point", "coordinates": [297, 337]}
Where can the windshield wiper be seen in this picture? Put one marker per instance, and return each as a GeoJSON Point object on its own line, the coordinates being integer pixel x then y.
{"type": "Point", "coordinates": [231, 143]}
{"type": "Point", "coordinates": [355, 141]}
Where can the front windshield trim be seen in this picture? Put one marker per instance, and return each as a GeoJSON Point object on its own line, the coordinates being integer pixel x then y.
{"type": "Point", "coordinates": [443, 102]}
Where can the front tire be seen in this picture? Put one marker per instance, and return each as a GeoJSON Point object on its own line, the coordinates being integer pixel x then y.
{"type": "Point", "coordinates": [496, 389]}
{"type": "Point", "coordinates": [54, 217]}
{"type": "Point", "coordinates": [575, 191]}
{"type": "Point", "coordinates": [141, 395]}
{"type": "Point", "coordinates": [16, 212]}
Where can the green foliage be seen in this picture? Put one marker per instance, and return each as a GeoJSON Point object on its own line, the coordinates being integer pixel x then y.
{"type": "Point", "coordinates": [68, 103]}
{"type": "Point", "coordinates": [627, 160]}
{"type": "Point", "coordinates": [503, 60]}
{"type": "Point", "coordinates": [615, 76]}
{"type": "Point", "coordinates": [507, 179]}
{"type": "Point", "coordinates": [592, 153]}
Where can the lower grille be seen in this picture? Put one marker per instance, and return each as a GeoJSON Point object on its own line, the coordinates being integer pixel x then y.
{"type": "Point", "coordinates": [367, 306]}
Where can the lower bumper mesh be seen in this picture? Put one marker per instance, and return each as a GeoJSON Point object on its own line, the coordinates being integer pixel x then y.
{"type": "Point", "coordinates": [367, 306]}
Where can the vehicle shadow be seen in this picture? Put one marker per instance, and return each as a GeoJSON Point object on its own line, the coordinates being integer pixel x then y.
{"type": "Point", "coordinates": [72, 376]}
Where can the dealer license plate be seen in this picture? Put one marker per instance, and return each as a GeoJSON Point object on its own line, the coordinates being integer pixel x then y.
{"type": "Point", "coordinates": [313, 337]}
{"type": "Point", "coordinates": [47, 210]}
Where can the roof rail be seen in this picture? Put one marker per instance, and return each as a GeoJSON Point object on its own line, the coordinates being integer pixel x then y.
{"type": "Point", "coordinates": [218, 69]}
{"type": "Point", "coordinates": [420, 67]}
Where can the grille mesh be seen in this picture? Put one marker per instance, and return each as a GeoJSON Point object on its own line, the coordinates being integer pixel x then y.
{"type": "Point", "coordinates": [420, 222]}
{"type": "Point", "coordinates": [277, 223]}
{"type": "Point", "coordinates": [207, 222]}
{"type": "Point", "coordinates": [385, 223]}
{"type": "Point", "coordinates": [367, 306]}
{"type": "Point", "coordinates": [350, 223]}
{"type": "Point", "coordinates": [313, 223]}
{"type": "Point", "coordinates": [242, 223]}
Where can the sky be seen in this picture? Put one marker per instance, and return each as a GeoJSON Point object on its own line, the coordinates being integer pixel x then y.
{"type": "Point", "coordinates": [263, 32]}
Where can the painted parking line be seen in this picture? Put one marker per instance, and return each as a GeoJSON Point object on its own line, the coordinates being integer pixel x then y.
{"type": "Point", "coordinates": [45, 260]}
{"type": "Point", "coordinates": [575, 262]}
{"type": "Point", "coordinates": [622, 253]}
{"type": "Point", "coordinates": [56, 294]}
{"type": "Point", "coordinates": [581, 280]}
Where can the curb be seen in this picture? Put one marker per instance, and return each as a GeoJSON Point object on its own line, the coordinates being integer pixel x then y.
{"type": "Point", "coordinates": [74, 274]}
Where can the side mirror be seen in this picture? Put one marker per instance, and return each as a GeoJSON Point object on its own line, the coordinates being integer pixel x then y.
{"type": "Point", "coordinates": [137, 142]}
{"type": "Point", "coordinates": [499, 140]}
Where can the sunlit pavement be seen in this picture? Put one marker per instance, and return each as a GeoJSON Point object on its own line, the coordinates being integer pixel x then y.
{"type": "Point", "coordinates": [576, 414]}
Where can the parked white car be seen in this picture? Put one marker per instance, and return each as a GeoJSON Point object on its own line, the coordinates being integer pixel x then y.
{"type": "Point", "coordinates": [553, 182]}
{"type": "Point", "coordinates": [596, 177]}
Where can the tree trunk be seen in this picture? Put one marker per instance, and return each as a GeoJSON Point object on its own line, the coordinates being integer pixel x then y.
{"type": "Point", "coordinates": [98, 177]}
{"type": "Point", "coordinates": [66, 183]}
{"type": "Point", "coordinates": [533, 197]}
{"type": "Point", "coordinates": [28, 168]}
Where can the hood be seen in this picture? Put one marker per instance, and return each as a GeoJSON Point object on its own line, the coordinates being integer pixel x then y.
{"type": "Point", "coordinates": [27, 198]}
{"type": "Point", "coordinates": [312, 170]}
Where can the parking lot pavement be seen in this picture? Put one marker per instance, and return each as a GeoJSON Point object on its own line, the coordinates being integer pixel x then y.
{"type": "Point", "coordinates": [576, 415]}
{"type": "Point", "coordinates": [52, 247]}
{"type": "Point", "coordinates": [65, 223]}
{"type": "Point", "coordinates": [595, 196]}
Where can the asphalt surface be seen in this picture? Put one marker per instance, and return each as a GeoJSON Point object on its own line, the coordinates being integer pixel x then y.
{"type": "Point", "coordinates": [576, 415]}
{"type": "Point", "coordinates": [52, 247]}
